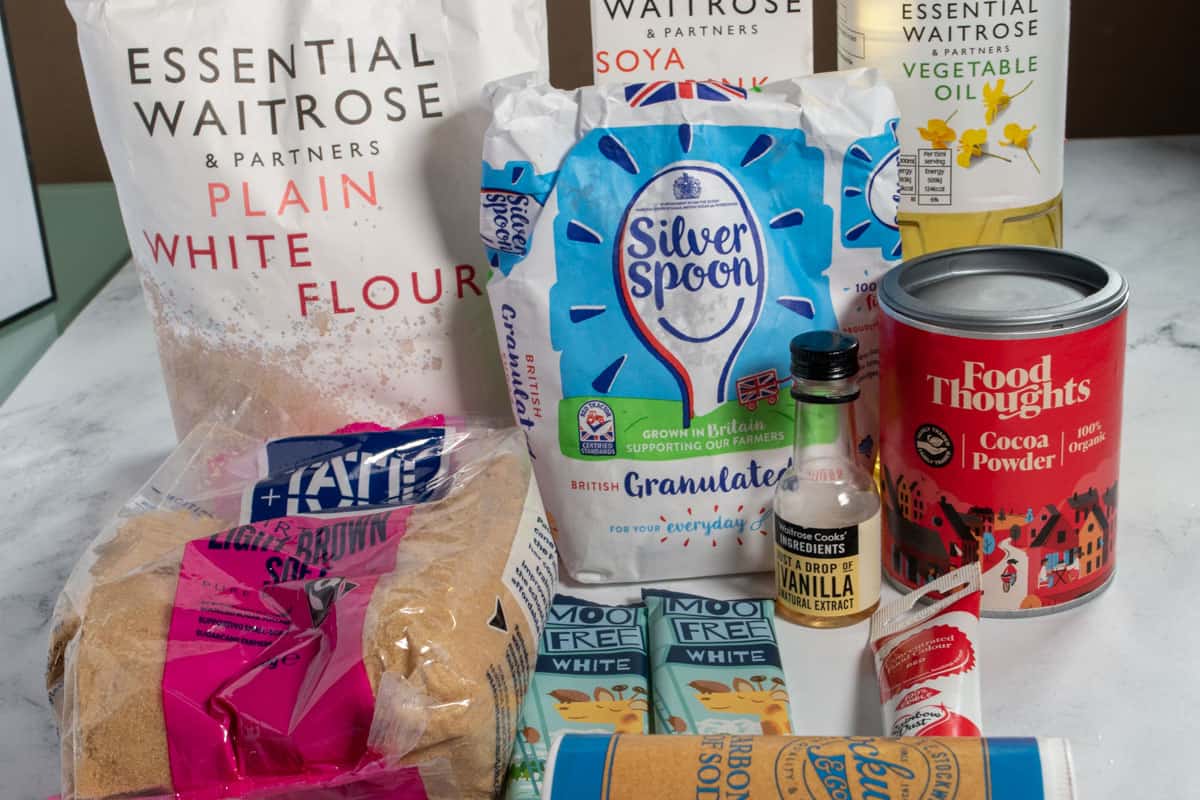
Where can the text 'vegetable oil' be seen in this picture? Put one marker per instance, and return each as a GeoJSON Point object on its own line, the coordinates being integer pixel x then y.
{"type": "Point", "coordinates": [982, 91]}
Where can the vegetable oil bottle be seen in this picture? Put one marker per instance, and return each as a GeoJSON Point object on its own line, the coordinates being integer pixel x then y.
{"type": "Point", "coordinates": [982, 87]}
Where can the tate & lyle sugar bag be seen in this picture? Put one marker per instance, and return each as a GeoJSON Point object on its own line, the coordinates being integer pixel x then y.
{"type": "Point", "coordinates": [297, 182]}
{"type": "Point", "coordinates": [655, 248]}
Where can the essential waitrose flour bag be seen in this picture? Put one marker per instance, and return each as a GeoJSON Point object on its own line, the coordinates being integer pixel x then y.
{"type": "Point", "coordinates": [744, 42]}
{"type": "Point", "coordinates": [655, 248]}
{"type": "Point", "coordinates": [297, 182]}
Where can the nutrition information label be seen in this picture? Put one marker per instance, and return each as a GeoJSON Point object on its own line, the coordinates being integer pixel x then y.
{"type": "Point", "coordinates": [926, 178]}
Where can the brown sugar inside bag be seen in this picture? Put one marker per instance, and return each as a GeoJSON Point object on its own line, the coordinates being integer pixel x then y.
{"type": "Point", "coordinates": [197, 490]}
{"type": "Point", "coordinates": [298, 183]}
{"type": "Point", "coordinates": [445, 647]}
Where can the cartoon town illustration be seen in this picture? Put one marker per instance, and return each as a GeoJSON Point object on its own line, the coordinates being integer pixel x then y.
{"type": "Point", "coordinates": [1030, 557]}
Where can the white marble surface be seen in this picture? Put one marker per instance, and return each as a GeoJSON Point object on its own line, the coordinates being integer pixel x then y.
{"type": "Point", "coordinates": [1116, 676]}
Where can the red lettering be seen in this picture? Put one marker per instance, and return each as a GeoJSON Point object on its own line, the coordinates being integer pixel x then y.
{"type": "Point", "coordinates": [211, 252]}
{"type": "Point", "coordinates": [217, 193]}
{"type": "Point", "coordinates": [250, 212]}
{"type": "Point", "coordinates": [632, 60]}
{"type": "Point", "coordinates": [370, 196]}
{"type": "Point", "coordinates": [292, 197]}
{"type": "Point", "coordinates": [465, 273]}
{"type": "Point", "coordinates": [159, 245]}
{"type": "Point", "coordinates": [387, 281]}
{"type": "Point", "coordinates": [337, 305]}
{"type": "Point", "coordinates": [295, 250]}
{"type": "Point", "coordinates": [417, 288]}
{"type": "Point", "coordinates": [233, 256]}
{"type": "Point", "coordinates": [305, 297]}
{"type": "Point", "coordinates": [262, 240]}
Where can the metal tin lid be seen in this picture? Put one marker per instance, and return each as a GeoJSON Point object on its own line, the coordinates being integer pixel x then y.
{"type": "Point", "coordinates": [1003, 292]}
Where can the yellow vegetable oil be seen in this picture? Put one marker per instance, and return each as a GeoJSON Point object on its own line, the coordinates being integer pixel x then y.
{"type": "Point", "coordinates": [982, 87]}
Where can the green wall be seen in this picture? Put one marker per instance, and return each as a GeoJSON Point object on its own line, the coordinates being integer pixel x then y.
{"type": "Point", "coordinates": [87, 246]}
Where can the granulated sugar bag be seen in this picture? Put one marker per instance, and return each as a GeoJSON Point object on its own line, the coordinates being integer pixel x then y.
{"type": "Point", "coordinates": [297, 182]}
{"type": "Point", "coordinates": [346, 615]}
{"type": "Point", "coordinates": [655, 248]}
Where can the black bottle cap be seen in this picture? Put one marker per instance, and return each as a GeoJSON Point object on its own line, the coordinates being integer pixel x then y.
{"type": "Point", "coordinates": [824, 356]}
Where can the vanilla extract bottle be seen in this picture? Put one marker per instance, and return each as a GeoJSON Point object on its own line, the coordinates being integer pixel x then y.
{"type": "Point", "coordinates": [827, 509]}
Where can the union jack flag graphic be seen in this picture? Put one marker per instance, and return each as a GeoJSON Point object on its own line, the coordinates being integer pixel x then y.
{"type": "Point", "coordinates": [647, 94]}
{"type": "Point", "coordinates": [753, 389]}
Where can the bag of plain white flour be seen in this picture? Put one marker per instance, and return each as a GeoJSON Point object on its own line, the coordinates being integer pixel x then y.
{"type": "Point", "coordinates": [655, 247]}
{"type": "Point", "coordinates": [297, 181]}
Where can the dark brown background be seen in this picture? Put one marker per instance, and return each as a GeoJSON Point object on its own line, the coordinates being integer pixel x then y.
{"type": "Point", "coordinates": [1133, 72]}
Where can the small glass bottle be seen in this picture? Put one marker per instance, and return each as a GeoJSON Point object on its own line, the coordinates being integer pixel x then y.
{"type": "Point", "coordinates": [827, 546]}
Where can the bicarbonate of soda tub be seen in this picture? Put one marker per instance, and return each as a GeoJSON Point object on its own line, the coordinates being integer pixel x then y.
{"type": "Point", "coordinates": [654, 247]}
{"type": "Point", "coordinates": [727, 766]}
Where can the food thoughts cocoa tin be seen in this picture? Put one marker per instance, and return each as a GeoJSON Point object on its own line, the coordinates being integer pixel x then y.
{"type": "Point", "coordinates": [1001, 383]}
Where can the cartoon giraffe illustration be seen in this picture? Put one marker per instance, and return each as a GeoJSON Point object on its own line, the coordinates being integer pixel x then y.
{"type": "Point", "coordinates": [626, 715]}
{"type": "Point", "coordinates": [770, 705]}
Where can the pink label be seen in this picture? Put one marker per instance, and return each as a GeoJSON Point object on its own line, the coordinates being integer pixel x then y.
{"type": "Point", "coordinates": [264, 682]}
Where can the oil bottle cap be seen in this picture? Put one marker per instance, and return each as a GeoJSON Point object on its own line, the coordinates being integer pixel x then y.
{"type": "Point", "coordinates": [824, 356]}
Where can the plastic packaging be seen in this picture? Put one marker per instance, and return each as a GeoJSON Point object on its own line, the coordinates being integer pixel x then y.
{"type": "Point", "coordinates": [716, 664]}
{"type": "Point", "coordinates": [293, 176]}
{"type": "Point", "coordinates": [653, 244]}
{"type": "Point", "coordinates": [593, 675]}
{"type": "Point", "coordinates": [318, 612]}
{"type": "Point", "coordinates": [927, 659]}
{"type": "Point", "coordinates": [584, 767]}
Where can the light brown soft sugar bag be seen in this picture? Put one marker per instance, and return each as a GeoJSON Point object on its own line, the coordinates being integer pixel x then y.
{"type": "Point", "coordinates": [447, 685]}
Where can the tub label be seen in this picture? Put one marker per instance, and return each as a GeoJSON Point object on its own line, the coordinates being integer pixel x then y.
{"type": "Point", "coordinates": [1004, 452]}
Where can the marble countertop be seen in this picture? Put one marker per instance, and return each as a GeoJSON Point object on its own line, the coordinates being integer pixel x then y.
{"type": "Point", "coordinates": [1117, 676]}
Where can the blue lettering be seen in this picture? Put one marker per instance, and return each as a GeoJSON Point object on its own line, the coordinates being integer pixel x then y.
{"type": "Point", "coordinates": [642, 285]}
{"type": "Point", "coordinates": [638, 230]}
{"type": "Point", "coordinates": [675, 259]}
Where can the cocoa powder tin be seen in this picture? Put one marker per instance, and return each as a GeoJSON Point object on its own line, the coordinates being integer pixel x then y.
{"type": "Point", "coordinates": [1000, 405]}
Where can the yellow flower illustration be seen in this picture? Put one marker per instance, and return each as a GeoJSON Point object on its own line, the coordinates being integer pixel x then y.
{"type": "Point", "coordinates": [996, 99]}
{"type": "Point", "coordinates": [938, 133]}
{"type": "Point", "coordinates": [1016, 136]}
{"type": "Point", "coordinates": [971, 146]}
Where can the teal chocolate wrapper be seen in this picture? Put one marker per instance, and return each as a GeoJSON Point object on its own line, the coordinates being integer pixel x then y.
{"type": "Point", "coordinates": [592, 676]}
{"type": "Point", "coordinates": [716, 666]}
